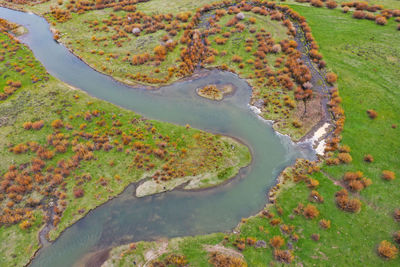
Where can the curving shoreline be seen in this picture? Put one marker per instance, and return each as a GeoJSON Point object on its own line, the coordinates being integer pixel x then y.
{"type": "Point", "coordinates": [186, 78]}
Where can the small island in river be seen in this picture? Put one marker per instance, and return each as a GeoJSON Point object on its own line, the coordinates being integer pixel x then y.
{"type": "Point", "coordinates": [215, 92]}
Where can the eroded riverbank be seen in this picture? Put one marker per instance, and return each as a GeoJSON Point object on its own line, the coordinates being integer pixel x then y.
{"type": "Point", "coordinates": [179, 104]}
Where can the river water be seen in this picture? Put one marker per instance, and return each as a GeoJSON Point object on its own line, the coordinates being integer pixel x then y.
{"type": "Point", "coordinates": [177, 213]}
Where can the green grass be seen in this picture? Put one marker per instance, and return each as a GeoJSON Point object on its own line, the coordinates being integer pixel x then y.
{"type": "Point", "coordinates": [366, 58]}
{"type": "Point", "coordinates": [82, 45]}
{"type": "Point", "coordinates": [276, 109]}
{"type": "Point", "coordinates": [48, 99]}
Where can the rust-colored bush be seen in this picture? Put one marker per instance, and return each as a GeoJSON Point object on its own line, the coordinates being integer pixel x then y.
{"type": "Point", "coordinates": [237, 59]}
{"type": "Point", "coordinates": [37, 125]}
{"type": "Point", "coordinates": [387, 250]}
{"type": "Point", "coordinates": [315, 237]}
{"type": "Point", "coordinates": [310, 211]}
{"type": "Point", "coordinates": [396, 215]}
{"type": "Point", "coordinates": [331, 77]}
{"type": "Point", "coordinates": [345, 203]}
{"type": "Point", "coordinates": [285, 256]}
{"type": "Point", "coordinates": [312, 183]}
{"type": "Point", "coordinates": [331, 4]}
{"type": "Point", "coordinates": [396, 237]}
{"type": "Point", "coordinates": [78, 192]}
{"type": "Point", "coordinates": [56, 124]}
{"type": "Point", "coordinates": [325, 224]}
{"type": "Point", "coordinates": [25, 225]}
{"type": "Point", "coordinates": [368, 158]}
{"type": "Point", "coordinates": [372, 113]}
{"type": "Point", "coordinates": [251, 241]}
{"type": "Point", "coordinates": [380, 20]}
{"type": "Point", "coordinates": [358, 14]}
{"type": "Point", "coordinates": [317, 3]}
{"type": "Point", "coordinates": [388, 175]}
{"type": "Point", "coordinates": [277, 241]}
{"type": "Point", "coordinates": [315, 197]}
{"type": "Point", "coordinates": [27, 125]}
{"type": "Point", "coordinates": [218, 259]}
{"type": "Point", "coordinates": [345, 157]}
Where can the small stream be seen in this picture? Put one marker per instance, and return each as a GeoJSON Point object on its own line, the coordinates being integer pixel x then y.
{"type": "Point", "coordinates": [177, 213]}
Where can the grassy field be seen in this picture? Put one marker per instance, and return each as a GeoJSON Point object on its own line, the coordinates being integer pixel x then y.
{"type": "Point", "coordinates": [278, 103]}
{"type": "Point", "coordinates": [366, 58]}
{"type": "Point", "coordinates": [83, 152]}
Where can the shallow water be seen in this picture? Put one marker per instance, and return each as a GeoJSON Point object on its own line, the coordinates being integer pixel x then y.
{"type": "Point", "coordinates": [177, 213]}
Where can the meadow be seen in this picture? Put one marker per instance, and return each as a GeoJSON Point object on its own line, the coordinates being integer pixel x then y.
{"type": "Point", "coordinates": [65, 153]}
{"type": "Point", "coordinates": [306, 224]}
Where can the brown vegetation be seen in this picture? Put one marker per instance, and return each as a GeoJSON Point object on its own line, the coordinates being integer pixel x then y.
{"type": "Point", "coordinates": [388, 175]}
{"type": "Point", "coordinates": [345, 203]}
{"type": "Point", "coordinates": [387, 250]}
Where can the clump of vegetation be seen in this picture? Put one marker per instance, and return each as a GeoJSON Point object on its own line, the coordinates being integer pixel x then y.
{"type": "Point", "coordinates": [331, 77]}
{"type": "Point", "coordinates": [211, 92]}
{"type": "Point", "coordinates": [388, 175]}
{"type": "Point", "coordinates": [284, 256]}
{"type": "Point", "coordinates": [345, 203]}
{"type": "Point", "coordinates": [65, 151]}
{"type": "Point", "coordinates": [355, 181]}
{"type": "Point", "coordinates": [369, 158]}
{"type": "Point", "coordinates": [277, 241]}
{"type": "Point", "coordinates": [387, 250]}
{"type": "Point", "coordinates": [171, 260]}
{"type": "Point", "coordinates": [372, 113]}
{"type": "Point", "coordinates": [219, 260]}
{"type": "Point", "coordinates": [325, 224]}
{"type": "Point", "coordinates": [310, 211]}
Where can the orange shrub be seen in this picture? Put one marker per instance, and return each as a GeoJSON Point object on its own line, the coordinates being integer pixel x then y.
{"type": "Point", "coordinates": [317, 3]}
{"type": "Point", "coordinates": [25, 225]}
{"type": "Point", "coordinates": [331, 4]}
{"type": "Point", "coordinates": [315, 237]}
{"type": "Point", "coordinates": [316, 197]}
{"type": "Point", "coordinates": [285, 256]}
{"type": "Point", "coordinates": [396, 215]}
{"type": "Point", "coordinates": [396, 237]}
{"type": "Point", "coordinates": [325, 224]}
{"type": "Point", "coordinates": [368, 158]}
{"type": "Point", "coordinates": [160, 51]}
{"type": "Point", "coordinates": [387, 250]}
{"type": "Point", "coordinates": [345, 157]}
{"type": "Point", "coordinates": [27, 125]}
{"type": "Point", "coordinates": [56, 124]}
{"type": "Point", "coordinates": [358, 14]}
{"type": "Point", "coordinates": [37, 125]}
{"type": "Point", "coordinates": [78, 192]}
{"type": "Point", "coordinates": [372, 113]}
{"type": "Point", "coordinates": [310, 211]}
{"type": "Point", "coordinates": [331, 77]}
{"type": "Point", "coordinates": [237, 59]}
{"type": "Point", "coordinates": [388, 175]}
{"type": "Point", "coordinates": [345, 203]}
{"type": "Point", "coordinates": [381, 20]}
{"type": "Point", "coordinates": [277, 241]}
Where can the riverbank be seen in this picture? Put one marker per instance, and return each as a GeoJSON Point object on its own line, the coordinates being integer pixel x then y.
{"type": "Point", "coordinates": [288, 116]}
{"type": "Point", "coordinates": [359, 55]}
{"type": "Point", "coordinates": [39, 98]}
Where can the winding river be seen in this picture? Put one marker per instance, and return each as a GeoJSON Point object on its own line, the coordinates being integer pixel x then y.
{"type": "Point", "coordinates": [177, 213]}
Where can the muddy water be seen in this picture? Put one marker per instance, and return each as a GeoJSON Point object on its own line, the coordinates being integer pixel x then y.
{"type": "Point", "coordinates": [177, 213]}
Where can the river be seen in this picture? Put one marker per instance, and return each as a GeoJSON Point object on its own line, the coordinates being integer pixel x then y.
{"type": "Point", "coordinates": [176, 213]}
